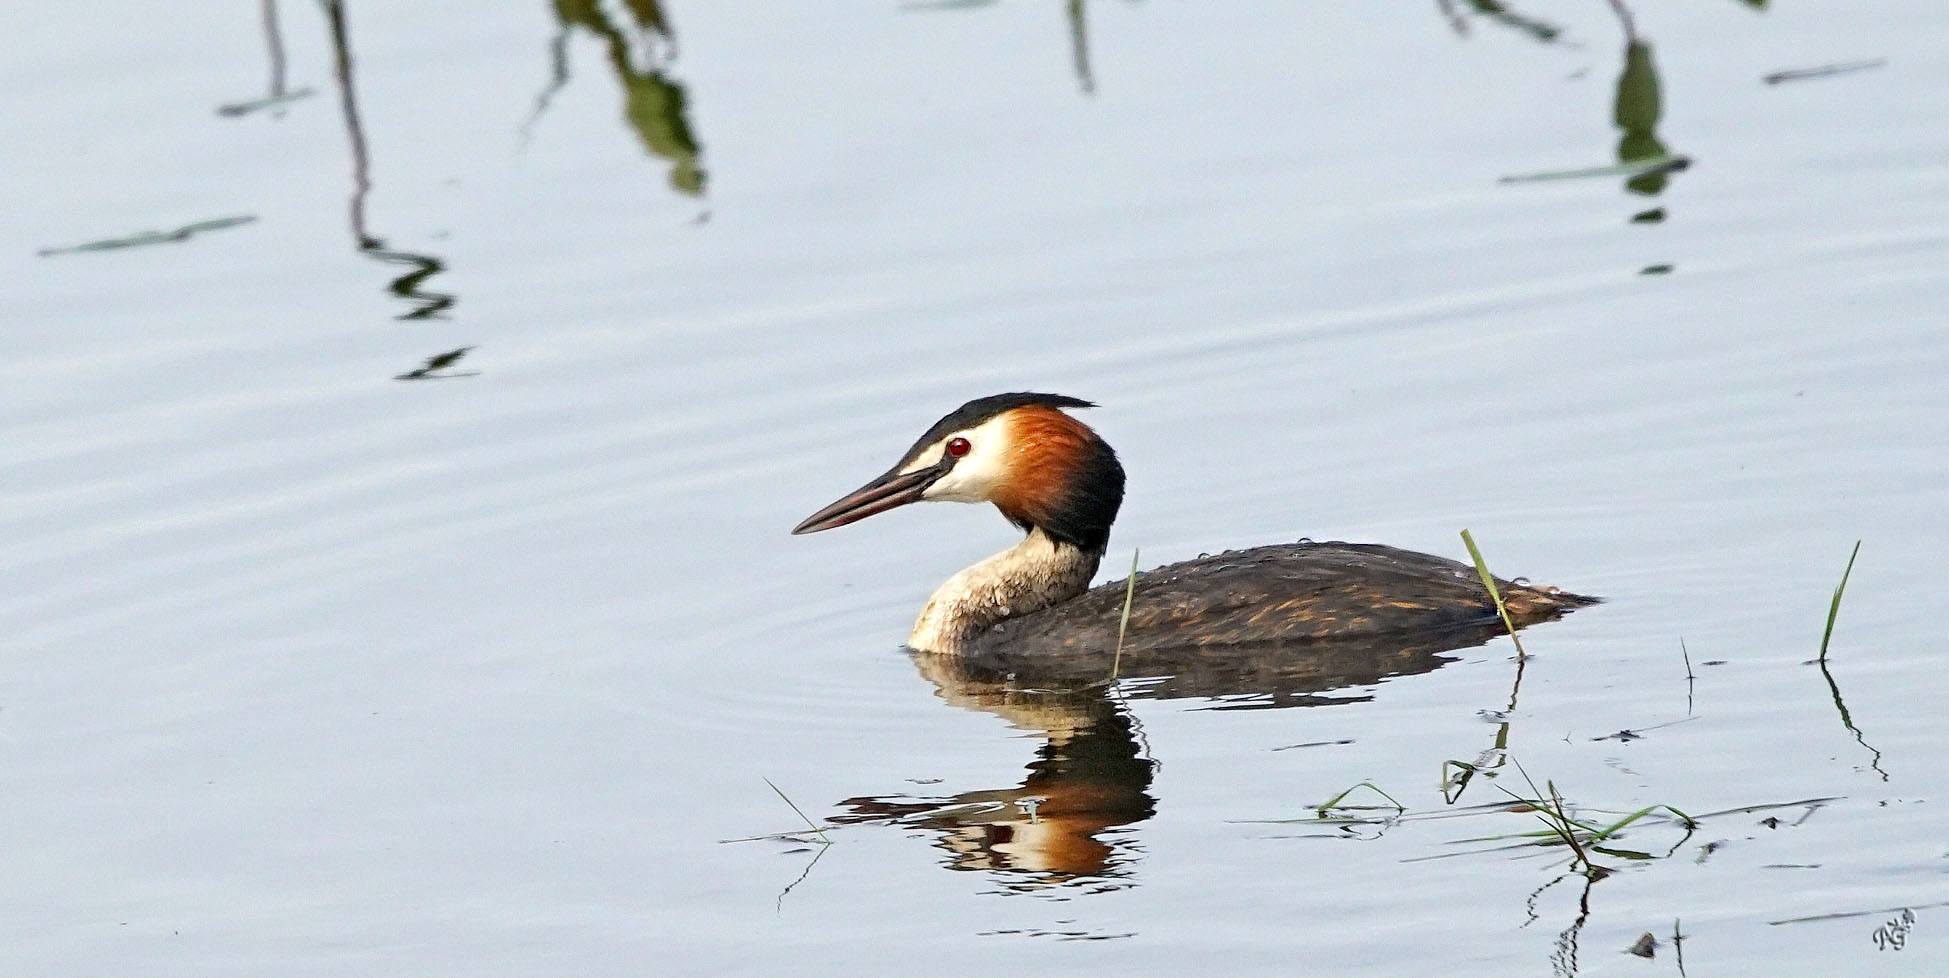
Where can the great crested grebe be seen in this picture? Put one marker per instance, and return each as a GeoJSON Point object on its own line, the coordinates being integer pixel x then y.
{"type": "Point", "coordinates": [1052, 476]}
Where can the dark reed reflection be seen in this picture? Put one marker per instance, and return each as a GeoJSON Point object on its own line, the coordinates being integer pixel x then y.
{"type": "Point", "coordinates": [1458, 774]}
{"type": "Point", "coordinates": [1563, 951]}
{"type": "Point", "coordinates": [655, 106]}
{"type": "Point", "coordinates": [1847, 720]}
{"type": "Point", "coordinates": [1500, 14]}
{"type": "Point", "coordinates": [440, 367]}
{"type": "Point", "coordinates": [1067, 822]}
{"type": "Point", "coordinates": [1637, 109]}
{"type": "Point", "coordinates": [1644, 161]}
{"type": "Point", "coordinates": [1079, 47]}
{"type": "Point", "coordinates": [274, 44]}
{"type": "Point", "coordinates": [409, 286]}
{"type": "Point", "coordinates": [1079, 36]}
{"type": "Point", "coordinates": [278, 97]}
{"type": "Point", "coordinates": [143, 238]}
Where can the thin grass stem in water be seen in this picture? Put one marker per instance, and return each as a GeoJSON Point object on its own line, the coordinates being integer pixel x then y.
{"type": "Point", "coordinates": [1123, 623]}
{"type": "Point", "coordinates": [1834, 607]}
{"type": "Point", "coordinates": [1333, 803]}
{"type": "Point", "coordinates": [1833, 687]}
{"type": "Point", "coordinates": [808, 822]}
{"type": "Point", "coordinates": [1489, 582]}
{"type": "Point", "coordinates": [1690, 678]}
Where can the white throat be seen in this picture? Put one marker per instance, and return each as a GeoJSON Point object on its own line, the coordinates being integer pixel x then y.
{"type": "Point", "coordinates": [1030, 576]}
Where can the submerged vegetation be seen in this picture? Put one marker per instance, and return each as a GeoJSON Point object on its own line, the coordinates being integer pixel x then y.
{"type": "Point", "coordinates": [1592, 841]}
{"type": "Point", "coordinates": [1337, 803]}
{"type": "Point", "coordinates": [1579, 831]}
{"type": "Point", "coordinates": [1583, 837]}
{"type": "Point", "coordinates": [1589, 841]}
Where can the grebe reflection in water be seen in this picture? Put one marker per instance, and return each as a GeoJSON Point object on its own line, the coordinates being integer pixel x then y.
{"type": "Point", "coordinates": [1069, 822]}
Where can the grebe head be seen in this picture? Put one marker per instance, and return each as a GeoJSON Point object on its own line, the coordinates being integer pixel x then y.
{"type": "Point", "coordinates": [1042, 468]}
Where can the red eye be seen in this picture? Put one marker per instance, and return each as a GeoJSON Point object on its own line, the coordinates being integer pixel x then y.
{"type": "Point", "coordinates": [957, 447]}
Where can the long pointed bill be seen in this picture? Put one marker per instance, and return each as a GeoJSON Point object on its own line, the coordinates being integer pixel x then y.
{"type": "Point", "coordinates": [886, 492]}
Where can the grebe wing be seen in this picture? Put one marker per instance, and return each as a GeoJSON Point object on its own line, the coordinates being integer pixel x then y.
{"type": "Point", "coordinates": [1276, 594]}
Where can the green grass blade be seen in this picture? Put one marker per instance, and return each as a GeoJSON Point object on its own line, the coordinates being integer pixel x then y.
{"type": "Point", "coordinates": [1123, 623]}
{"type": "Point", "coordinates": [1635, 855]}
{"type": "Point", "coordinates": [1599, 835]}
{"type": "Point", "coordinates": [808, 822]}
{"type": "Point", "coordinates": [1334, 802]}
{"type": "Point", "coordinates": [1834, 608]}
{"type": "Point", "coordinates": [1489, 581]}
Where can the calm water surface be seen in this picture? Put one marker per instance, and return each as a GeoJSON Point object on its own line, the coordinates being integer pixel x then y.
{"type": "Point", "coordinates": [308, 670]}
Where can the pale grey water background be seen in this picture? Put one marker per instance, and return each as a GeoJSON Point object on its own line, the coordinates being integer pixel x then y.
{"type": "Point", "coordinates": [306, 671]}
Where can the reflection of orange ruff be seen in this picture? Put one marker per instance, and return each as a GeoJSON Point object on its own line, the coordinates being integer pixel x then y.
{"type": "Point", "coordinates": [1088, 777]}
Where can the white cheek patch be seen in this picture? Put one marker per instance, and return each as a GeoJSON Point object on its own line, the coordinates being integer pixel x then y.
{"type": "Point", "coordinates": [975, 476]}
{"type": "Point", "coordinates": [927, 459]}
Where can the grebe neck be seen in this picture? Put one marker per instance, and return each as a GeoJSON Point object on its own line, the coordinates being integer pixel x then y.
{"type": "Point", "coordinates": [1030, 576]}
